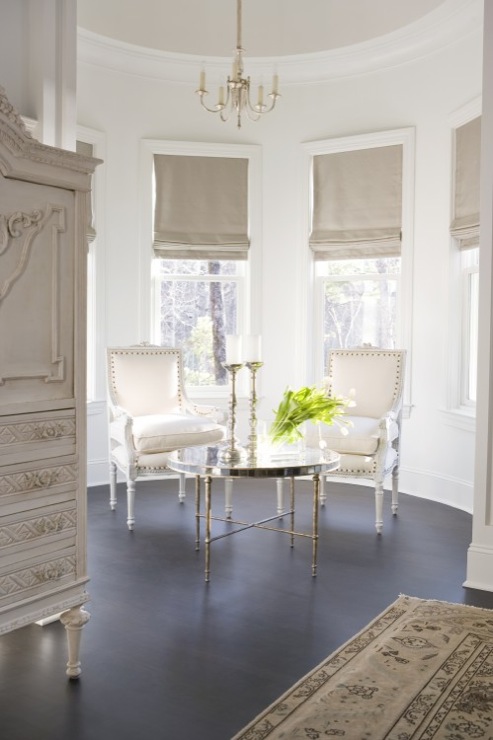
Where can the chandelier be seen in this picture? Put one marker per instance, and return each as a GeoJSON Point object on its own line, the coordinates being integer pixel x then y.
{"type": "Point", "coordinates": [234, 97]}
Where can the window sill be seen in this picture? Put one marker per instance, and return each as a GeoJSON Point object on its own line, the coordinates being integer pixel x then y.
{"type": "Point", "coordinates": [461, 418]}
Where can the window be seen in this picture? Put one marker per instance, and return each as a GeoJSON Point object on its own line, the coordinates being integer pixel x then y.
{"type": "Point", "coordinates": [201, 214]}
{"type": "Point", "coordinates": [196, 304]}
{"type": "Point", "coordinates": [361, 241]}
{"type": "Point", "coordinates": [470, 306]}
{"type": "Point", "coordinates": [464, 230]}
{"type": "Point", "coordinates": [359, 302]}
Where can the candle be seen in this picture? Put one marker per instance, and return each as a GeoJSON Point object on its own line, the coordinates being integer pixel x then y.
{"type": "Point", "coordinates": [260, 96]}
{"type": "Point", "coordinates": [252, 348]}
{"type": "Point", "coordinates": [233, 349]}
{"type": "Point", "coordinates": [202, 80]}
{"type": "Point", "coordinates": [275, 84]}
{"type": "Point", "coordinates": [221, 96]}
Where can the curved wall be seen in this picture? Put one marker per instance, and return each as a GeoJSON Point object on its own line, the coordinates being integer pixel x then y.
{"type": "Point", "coordinates": [437, 457]}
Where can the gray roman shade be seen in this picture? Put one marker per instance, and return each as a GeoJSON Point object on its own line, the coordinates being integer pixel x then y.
{"type": "Point", "coordinates": [465, 222]}
{"type": "Point", "coordinates": [357, 203]}
{"type": "Point", "coordinates": [87, 150]}
{"type": "Point", "coordinates": [201, 207]}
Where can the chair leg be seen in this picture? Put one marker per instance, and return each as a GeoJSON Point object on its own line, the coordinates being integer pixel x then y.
{"type": "Point", "coordinates": [379, 507]}
{"type": "Point", "coordinates": [280, 495]}
{"type": "Point", "coordinates": [181, 488]}
{"type": "Point", "coordinates": [395, 490]}
{"type": "Point", "coordinates": [130, 504]}
{"type": "Point", "coordinates": [228, 497]}
{"type": "Point", "coordinates": [322, 496]}
{"type": "Point", "coordinates": [112, 485]}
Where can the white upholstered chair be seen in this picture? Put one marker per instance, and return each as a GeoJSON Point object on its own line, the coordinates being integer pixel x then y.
{"type": "Point", "coordinates": [370, 448]}
{"type": "Point", "coordinates": [150, 416]}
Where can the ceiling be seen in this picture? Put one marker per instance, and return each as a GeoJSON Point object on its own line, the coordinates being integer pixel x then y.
{"type": "Point", "coordinates": [270, 27]}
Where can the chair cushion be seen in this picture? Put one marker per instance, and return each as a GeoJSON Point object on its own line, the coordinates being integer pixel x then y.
{"type": "Point", "coordinates": [165, 432]}
{"type": "Point", "coordinates": [361, 438]}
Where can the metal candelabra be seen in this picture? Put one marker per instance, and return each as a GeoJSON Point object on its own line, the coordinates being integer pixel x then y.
{"type": "Point", "coordinates": [231, 452]}
{"type": "Point", "coordinates": [252, 439]}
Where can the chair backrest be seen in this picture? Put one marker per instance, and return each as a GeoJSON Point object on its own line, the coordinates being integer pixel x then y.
{"type": "Point", "coordinates": [146, 379]}
{"type": "Point", "coordinates": [375, 375]}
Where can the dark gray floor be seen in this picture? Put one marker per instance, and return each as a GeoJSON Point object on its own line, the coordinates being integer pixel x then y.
{"type": "Point", "coordinates": [166, 656]}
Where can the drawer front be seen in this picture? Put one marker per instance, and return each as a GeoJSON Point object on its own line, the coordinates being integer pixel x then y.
{"type": "Point", "coordinates": [31, 485]}
{"type": "Point", "coordinates": [37, 436]}
{"type": "Point", "coordinates": [29, 529]}
{"type": "Point", "coordinates": [38, 576]}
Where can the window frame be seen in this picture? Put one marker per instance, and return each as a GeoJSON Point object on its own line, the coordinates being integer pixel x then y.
{"type": "Point", "coordinates": [459, 411]}
{"type": "Point", "coordinates": [250, 310]}
{"type": "Point", "coordinates": [406, 138]}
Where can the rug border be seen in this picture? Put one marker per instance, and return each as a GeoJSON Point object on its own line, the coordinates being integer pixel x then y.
{"type": "Point", "coordinates": [341, 647]}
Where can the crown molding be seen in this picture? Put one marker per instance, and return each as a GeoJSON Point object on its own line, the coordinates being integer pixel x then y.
{"type": "Point", "coordinates": [452, 21]}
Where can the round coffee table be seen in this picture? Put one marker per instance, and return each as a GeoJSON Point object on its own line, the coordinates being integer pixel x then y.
{"type": "Point", "coordinates": [203, 463]}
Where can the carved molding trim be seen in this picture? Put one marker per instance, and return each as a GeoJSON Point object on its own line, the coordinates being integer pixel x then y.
{"type": "Point", "coordinates": [78, 600]}
{"type": "Point", "coordinates": [19, 141]}
{"type": "Point", "coordinates": [26, 227]}
{"type": "Point", "coordinates": [41, 526]}
{"type": "Point", "coordinates": [35, 480]}
{"type": "Point", "coordinates": [37, 431]}
{"type": "Point", "coordinates": [36, 575]}
{"type": "Point", "coordinates": [16, 226]}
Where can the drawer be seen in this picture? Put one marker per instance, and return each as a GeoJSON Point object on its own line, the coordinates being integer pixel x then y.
{"type": "Point", "coordinates": [20, 532]}
{"type": "Point", "coordinates": [34, 484]}
{"type": "Point", "coordinates": [37, 436]}
{"type": "Point", "coordinates": [42, 573]}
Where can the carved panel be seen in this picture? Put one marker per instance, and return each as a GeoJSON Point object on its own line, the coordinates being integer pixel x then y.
{"type": "Point", "coordinates": [36, 431]}
{"type": "Point", "coordinates": [35, 480]}
{"type": "Point", "coordinates": [36, 575]}
{"type": "Point", "coordinates": [41, 526]}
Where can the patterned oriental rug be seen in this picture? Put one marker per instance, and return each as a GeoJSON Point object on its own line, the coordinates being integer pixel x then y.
{"type": "Point", "coordinates": [422, 669]}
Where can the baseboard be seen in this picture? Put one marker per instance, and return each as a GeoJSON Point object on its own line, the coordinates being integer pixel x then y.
{"type": "Point", "coordinates": [440, 488]}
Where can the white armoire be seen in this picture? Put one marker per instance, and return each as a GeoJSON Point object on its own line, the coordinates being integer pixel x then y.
{"type": "Point", "coordinates": [43, 250]}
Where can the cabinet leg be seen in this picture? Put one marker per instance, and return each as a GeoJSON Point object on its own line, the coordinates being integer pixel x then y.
{"type": "Point", "coordinates": [73, 621]}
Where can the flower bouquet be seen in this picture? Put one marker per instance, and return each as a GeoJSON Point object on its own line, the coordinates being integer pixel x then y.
{"type": "Point", "coordinates": [306, 404]}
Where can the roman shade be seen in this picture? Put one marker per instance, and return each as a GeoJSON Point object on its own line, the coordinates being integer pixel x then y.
{"type": "Point", "coordinates": [201, 207]}
{"type": "Point", "coordinates": [357, 203]}
{"type": "Point", "coordinates": [87, 150]}
{"type": "Point", "coordinates": [465, 221]}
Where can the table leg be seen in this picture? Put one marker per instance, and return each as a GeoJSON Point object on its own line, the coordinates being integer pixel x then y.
{"type": "Point", "coordinates": [292, 512]}
{"type": "Point", "coordinates": [208, 481]}
{"type": "Point", "coordinates": [197, 512]}
{"type": "Point", "coordinates": [316, 494]}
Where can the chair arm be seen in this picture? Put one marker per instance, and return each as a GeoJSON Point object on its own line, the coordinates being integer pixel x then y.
{"type": "Point", "coordinates": [212, 412]}
{"type": "Point", "coordinates": [389, 427]}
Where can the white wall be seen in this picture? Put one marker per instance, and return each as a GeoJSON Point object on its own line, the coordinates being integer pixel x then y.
{"type": "Point", "coordinates": [437, 458]}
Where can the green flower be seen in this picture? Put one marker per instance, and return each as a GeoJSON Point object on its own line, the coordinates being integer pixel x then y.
{"type": "Point", "coordinates": [306, 404]}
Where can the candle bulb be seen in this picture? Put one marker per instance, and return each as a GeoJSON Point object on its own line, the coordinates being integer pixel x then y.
{"type": "Point", "coordinates": [252, 348]}
{"type": "Point", "coordinates": [260, 96]}
{"type": "Point", "coordinates": [202, 80]}
{"type": "Point", "coordinates": [233, 349]}
{"type": "Point", "coordinates": [275, 84]}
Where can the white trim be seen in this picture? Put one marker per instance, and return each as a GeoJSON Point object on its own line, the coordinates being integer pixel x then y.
{"type": "Point", "coordinates": [406, 138]}
{"type": "Point", "coordinates": [451, 21]}
{"type": "Point", "coordinates": [96, 374]}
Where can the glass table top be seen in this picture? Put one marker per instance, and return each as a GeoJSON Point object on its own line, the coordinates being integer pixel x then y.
{"type": "Point", "coordinates": [205, 461]}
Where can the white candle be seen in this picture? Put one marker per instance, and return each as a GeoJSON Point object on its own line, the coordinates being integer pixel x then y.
{"type": "Point", "coordinates": [202, 80]}
{"type": "Point", "coordinates": [260, 95]}
{"type": "Point", "coordinates": [221, 96]}
{"type": "Point", "coordinates": [252, 348]}
{"type": "Point", "coordinates": [275, 84]}
{"type": "Point", "coordinates": [233, 349]}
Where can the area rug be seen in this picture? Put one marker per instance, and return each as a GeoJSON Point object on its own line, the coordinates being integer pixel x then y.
{"type": "Point", "coordinates": [422, 669]}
